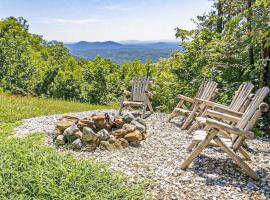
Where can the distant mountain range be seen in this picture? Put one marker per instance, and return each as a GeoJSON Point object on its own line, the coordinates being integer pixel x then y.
{"type": "Point", "coordinates": [125, 51]}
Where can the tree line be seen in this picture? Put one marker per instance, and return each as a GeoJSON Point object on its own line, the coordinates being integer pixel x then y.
{"type": "Point", "coordinates": [230, 44]}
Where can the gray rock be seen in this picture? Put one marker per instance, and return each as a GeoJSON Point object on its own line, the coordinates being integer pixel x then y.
{"type": "Point", "coordinates": [139, 126]}
{"type": "Point", "coordinates": [107, 146]}
{"type": "Point", "coordinates": [71, 130]}
{"type": "Point", "coordinates": [60, 140]}
{"type": "Point", "coordinates": [141, 121]}
{"type": "Point", "coordinates": [128, 117]}
{"type": "Point", "coordinates": [76, 144]}
{"type": "Point", "coordinates": [109, 118]}
{"type": "Point", "coordinates": [129, 127]}
{"type": "Point", "coordinates": [103, 134]}
{"type": "Point", "coordinates": [89, 134]}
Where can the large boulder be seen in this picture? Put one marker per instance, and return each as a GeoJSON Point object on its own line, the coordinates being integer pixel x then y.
{"type": "Point", "coordinates": [128, 117]}
{"type": "Point", "coordinates": [100, 121]}
{"type": "Point", "coordinates": [109, 119]}
{"type": "Point", "coordinates": [141, 121]}
{"type": "Point", "coordinates": [116, 143]}
{"type": "Point", "coordinates": [86, 122]}
{"type": "Point", "coordinates": [69, 133]}
{"type": "Point", "coordinates": [139, 126]}
{"type": "Point", "coordinates": [119, 122]}
{"type": "Point", "coordinates": [89, 134]}
{"type": "Point", "coordinates": [71, 130]}
{"type": "Point", "coordinates": [103, 134]}
{"type": "Point", "coordinates": [76, 144]}
{"type": "Point", "coordinates": [134, 136]}
{"type": "Point", "coordinates": [129, 127]}
{"type": "Point", "coordinates": [64, 123]}
{"type": "Point", "coordinates": [60, 140]}
{"type": "Point", "coordinates": [124, 142]}
{"type": "Point", "coordinates": [91, 146]}
{"type": "Point", "coordinates": [119, 133]}
{"type": "Point", "coordinates": [78, 134]}
{"type": "Point", "coordinates": [107, 146]}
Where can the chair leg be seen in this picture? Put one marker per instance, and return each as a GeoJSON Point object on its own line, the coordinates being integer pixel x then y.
{"type": "Point", "coordinates": [191, 117]}
{"type": "Point", "coordinates": [193, 127]}
{"type": "Point", "coordinates": [244, 153]}
{"type": "Point", "coordinates": [192, 145]}
{"type": "Point", "coordinates": [150, 106]}
{"type": "Point", "coordinates": [236, 159]}
{"type": "Point", "coordinates": [144, 109]}
{"type": "Point", "coordinates": [197, 150]}
{"type": "Point", "coordinates": [121, 106]}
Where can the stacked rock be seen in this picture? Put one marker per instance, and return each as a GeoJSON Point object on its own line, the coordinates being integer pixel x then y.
{"type": "Point", "coordinates": [100, 130]}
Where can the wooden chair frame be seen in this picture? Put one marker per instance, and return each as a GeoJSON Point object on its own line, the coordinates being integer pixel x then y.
{"type": "Point", "coordinates": [238, 105]}
{"type": "Point", "coordinates": [207, 91]}
{"type": "Point", "coordinates": [214, 128]}
{"type": "Point", "coordinates": [139, 96]}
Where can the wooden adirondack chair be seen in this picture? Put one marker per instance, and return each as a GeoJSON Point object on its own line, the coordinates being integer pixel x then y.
{"type": "Point", "coordinates": [139, 96]}
{"type": "Point", "coordinates": [213, 128]}
{"type": "Point", "coordinates": [239, 103]}
{"type": "Point", "coordinates": [207, 91]}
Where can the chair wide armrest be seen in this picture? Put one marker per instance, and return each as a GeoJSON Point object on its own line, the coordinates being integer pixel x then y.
{"type": "Point", "coordinates": [221, 115]}
{"type": "Point", "coordinates": [210, 103]}
{"type": "Point", "coordinates": [185, 98]}
{"type": "Point", "coordinates": [228, 111]}
{"type": "Point", "coordinates": [225, 127]}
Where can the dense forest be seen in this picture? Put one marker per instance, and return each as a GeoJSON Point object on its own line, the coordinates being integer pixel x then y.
{"type": "Point", "coordinates": [231, 44]}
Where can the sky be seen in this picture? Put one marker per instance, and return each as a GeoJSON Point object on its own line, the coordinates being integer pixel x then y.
{"type": "Point", "coordinates": [103, 20]}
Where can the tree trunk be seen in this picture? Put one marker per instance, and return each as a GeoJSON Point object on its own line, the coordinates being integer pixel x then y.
{"type": "Point", "coordinates": [249, 30]}
{"type": "Point", "coordinates": [220, 17]}
{"type": "Point", "coordinates": [265, 67]}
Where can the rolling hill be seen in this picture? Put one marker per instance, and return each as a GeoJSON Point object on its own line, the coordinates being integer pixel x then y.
{"type": "Point", "coordinates": [124, 51]}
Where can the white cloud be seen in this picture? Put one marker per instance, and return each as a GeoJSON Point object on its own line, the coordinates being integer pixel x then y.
{"type": "Point", "coordinates": [71, 21]}
{"type": "Point", "coordinates": [116, 7]}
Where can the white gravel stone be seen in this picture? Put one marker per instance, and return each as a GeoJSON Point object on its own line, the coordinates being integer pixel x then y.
{"type": "Point", "coordinates": [156, 161]}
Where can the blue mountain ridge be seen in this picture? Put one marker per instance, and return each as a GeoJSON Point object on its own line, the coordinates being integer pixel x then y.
{"type": "Point", "coordinates": [123, 52]}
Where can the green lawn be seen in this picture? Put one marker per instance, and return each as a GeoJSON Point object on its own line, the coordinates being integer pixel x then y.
{"type": "Point", "coordinates": [14, 108]}
{"type": "Point", "coordinates": [31, 170]}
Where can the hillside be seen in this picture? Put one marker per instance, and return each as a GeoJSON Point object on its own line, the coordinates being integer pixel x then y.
{"type": "Point", "coordinates": [123, 52]}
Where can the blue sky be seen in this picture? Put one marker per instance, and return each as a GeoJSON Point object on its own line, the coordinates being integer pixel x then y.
{"type": "Point", "coordinates": [102, 20]}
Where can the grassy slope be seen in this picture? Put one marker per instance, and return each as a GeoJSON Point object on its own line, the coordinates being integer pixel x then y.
{"type": "Point", "coordinates": [31, 170]}
{"type": "Point", "coordinates": [14, 108]}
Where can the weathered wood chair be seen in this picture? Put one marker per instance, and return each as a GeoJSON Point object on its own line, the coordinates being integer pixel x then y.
{"type": "Point", "coordinates": [239, 103]}
{"type": "Point", "coordinates": [207, 91]}
{"type": "Point", "coordinates": [212, 132]}
{"type": "Point", "coordinates": [139, 96]}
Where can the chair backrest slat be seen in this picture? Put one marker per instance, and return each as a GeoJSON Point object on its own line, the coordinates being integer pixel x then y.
{"type": "Point", "coordinates": [253, 106]}
{"type": "Point", "coordinates": [139, 87]}
{"type": "Point", "coordinates": [251, 115]}
{"type": "Point", "coordinates": [206, 90]}
{"type": "Point", "coordinates": [241, 96]}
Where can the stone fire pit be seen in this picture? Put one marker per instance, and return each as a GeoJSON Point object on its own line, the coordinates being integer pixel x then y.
{"type": "Point", "coordinates": [104, 130]}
